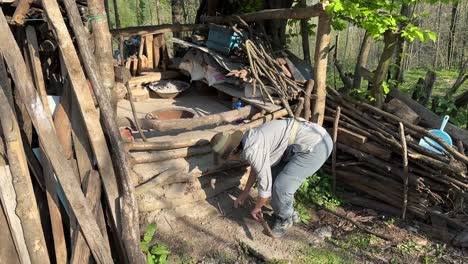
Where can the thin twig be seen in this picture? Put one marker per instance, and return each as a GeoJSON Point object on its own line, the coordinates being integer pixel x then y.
{"type": "Point", "coordinates": [335, 137]}
{"type": "Point", "coordinates": [404, 153]}
{"type": "Point", "coordinates": [137, 122]}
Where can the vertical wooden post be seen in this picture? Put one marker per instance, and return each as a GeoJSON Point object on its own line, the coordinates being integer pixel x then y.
{"type": "Point", "coordinates": [102, 44]}
{"type": "Point", "coordinates": [335, 137]}
{"type": "Point", "coordinates": [320, 67]}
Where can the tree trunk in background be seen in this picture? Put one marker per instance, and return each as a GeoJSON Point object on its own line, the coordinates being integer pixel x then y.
{"type": "Point", "coordinates": [103, 47]}
{"type": "Point", "coordinates": [158, 11]}
{"type": "Point", "coordinates": [382, 69]}
{"type": "Point", "coordinates": [305, 36]}
{"type": "Point", "coordinates": [451, 39]}
{"type": "Point", "coordinates": [276, 29]}
{"type": "Point", "coordinates": [462, 77]}
{"type": "Point", "coordinates": [362, 59]}
{"type": "Point", "coordinates": [177, 14]}
{"type": "Point", "coordinates": [116, 14]}
{"type": "Point", "coordinates": [320, 67]}
{"type": "Point", "coordinates": [436, 52]}
{"type": "Point", "coordinates": [397, 72]}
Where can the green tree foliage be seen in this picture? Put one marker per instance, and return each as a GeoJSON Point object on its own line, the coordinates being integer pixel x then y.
{"type": "Point", "coordinates": [378, 16]}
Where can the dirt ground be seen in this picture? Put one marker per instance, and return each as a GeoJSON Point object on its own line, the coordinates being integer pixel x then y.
{"type": "Point", "coordinates": [214, 232]}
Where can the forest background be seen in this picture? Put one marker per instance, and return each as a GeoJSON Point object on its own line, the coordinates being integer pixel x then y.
{"type": "Point", "coordinates": [443, 52]}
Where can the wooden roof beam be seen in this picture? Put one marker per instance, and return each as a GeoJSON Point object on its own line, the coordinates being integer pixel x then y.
{"type": "Point", "coordinates": [270, 14]}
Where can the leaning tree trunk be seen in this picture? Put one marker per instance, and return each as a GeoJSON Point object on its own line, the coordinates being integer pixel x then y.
{"type": "Point", "coordinates": [382, 69]}
{"type": "Point", "coordinates": [462, 100]}
{"type": "Point", "coordinates": [462, 77]}
{"type": "Point", "coordinates": [362, 59]}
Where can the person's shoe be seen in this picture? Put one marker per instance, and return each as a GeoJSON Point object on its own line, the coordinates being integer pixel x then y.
{"type": "Point", "coordinates": [281, 226]}
{"type": "Point", "coordinates": [295, 217]}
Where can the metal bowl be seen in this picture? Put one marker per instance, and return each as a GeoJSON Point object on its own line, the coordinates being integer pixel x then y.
{"type": "Point", "coordinates": [169, 89]}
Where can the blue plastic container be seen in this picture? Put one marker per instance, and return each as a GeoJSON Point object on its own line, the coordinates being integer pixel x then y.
{"type": "Point", "coordinates": [439, 133]}
{"type": "Point", "coordinates": [223, 39]}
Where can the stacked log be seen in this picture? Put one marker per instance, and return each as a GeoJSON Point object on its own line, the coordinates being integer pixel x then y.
{"type": "Point", "coordinates": [433, 180]}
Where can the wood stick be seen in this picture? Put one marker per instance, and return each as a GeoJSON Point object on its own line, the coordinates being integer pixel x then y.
{"type": "Point", "coordinates": [87, 109]}
{"type": "Point", "coordinates": [202, 121]}
{"type": "Point", "coordinates": [129, 212]}
{"type": "Point", "coordinates": [269, 14]}
{"type": "Point", "coordinates": [148, 157]}
{"type": "Point", "coordinates": [356, 224]}
{"type": "Point", "coordinates": [26, 207]}
{"type": "Point", "coordinates": [92, 189]}
{"type": "Point", "coordinates": [8, 200]}
{"type": "Point", "coordinates": [52, 148]}
{"type": "Point", "coordinates": [21, 10]}
{"type": "Point", "coordinates": [135, 118]}
{"type": "Point", "coordinates": [165, 145]}
{"type": "Point", "coordinates": [102, 43]}
{"type": "Point", "coordinates": [404, 154]}
{"type": "Point", "coordinates": [335, 137]}
{"type": "Point", "coordinates": [153, 77]}
{"type": "Point", "coordinates": [154, 30]}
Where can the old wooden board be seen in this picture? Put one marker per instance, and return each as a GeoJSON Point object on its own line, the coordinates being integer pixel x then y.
{"type": "Point", "coordinates": [89, 113]}
{"type": "Point", "coordinates": [258, 102]}
{"type": "Point", "coordinates": [47, 136]}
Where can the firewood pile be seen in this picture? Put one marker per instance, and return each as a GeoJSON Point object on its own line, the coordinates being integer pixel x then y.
{"type": "Point", "coordinates": [378, 154]}
{"type": "Point", "coordinates": [64, 198]}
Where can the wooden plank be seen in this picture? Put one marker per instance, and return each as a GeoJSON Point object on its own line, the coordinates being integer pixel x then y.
{"type": "Point", "coordinates": [149, 51]}
{"type": "Point", "coordinates": [130, 235]}
{"type": "Point", "coordinates": [26, 206]}
{"type": "Point", "coordinates": [152, 77]}
{"type": "Point", "coordinates": [156, 50]}
{"type": "Point", "coordinates": [8, 199]}
{"type": "Point", "coordinates": [92, 189]}
{"type": "Point", "coordinates": [89, 113]}
{"type": "Point", "coordinates": [348, 135]}
{"type": "Point", "coordinates": [48, 173]}
{"type": "Point", "coordinates": [21, 10]}
{"type": "Point", "coordinates": [258, 102]}
{"type": "Point", "coordinates": [52, 148]}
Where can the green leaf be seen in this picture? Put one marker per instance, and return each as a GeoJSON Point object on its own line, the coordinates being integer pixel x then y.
{"type": "Point", "coordinates": [144, 246]}
{"type": "Point", "coordinates": [160, 250]}
{"type": "Point", "coordinates": [150, 230]}
{"type": "Point", "coordinates": [149, 258]}
{"type": "Point", "coordinates": [431, 35]}
{"type": "Point", "coordinates": [385, 87]}
{"type": "Point", "coordinates": [163, 259]}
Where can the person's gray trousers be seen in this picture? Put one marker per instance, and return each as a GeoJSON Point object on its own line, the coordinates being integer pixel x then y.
{"type": "Point", "coordinates": [289, 174]}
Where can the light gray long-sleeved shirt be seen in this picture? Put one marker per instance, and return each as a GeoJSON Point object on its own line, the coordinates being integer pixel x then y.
{"type": "Point", "coordinates": [264, 147]}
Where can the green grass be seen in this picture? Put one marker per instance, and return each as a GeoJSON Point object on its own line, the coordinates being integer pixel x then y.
{"type": "Point", "coordinates": [323, 256]}
{"type": "Point", "coordinates": [444, 80]}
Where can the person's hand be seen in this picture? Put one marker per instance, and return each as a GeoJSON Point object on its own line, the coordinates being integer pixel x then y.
{"type": "Point", "coordinates": [257, 213]}
{"type": "Point", "coordinates": [240, 199]}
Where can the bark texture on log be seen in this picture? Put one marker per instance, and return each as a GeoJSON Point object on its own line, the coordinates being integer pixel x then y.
{"type": "Point", "coordinates": [102, 44]}
{"type": "Point", "coordinates": [320, 67]}
{"type": "Point", "coordinates": [52, 148]}
{"type": "Point", "coordinates": [363, 56]}
{"type": "Point", "coordinates": [270, 14]}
